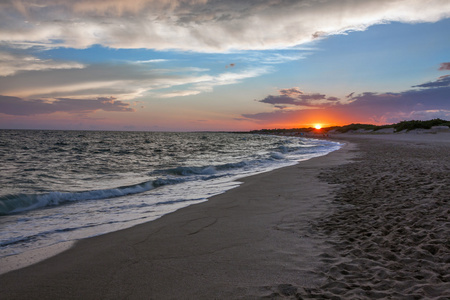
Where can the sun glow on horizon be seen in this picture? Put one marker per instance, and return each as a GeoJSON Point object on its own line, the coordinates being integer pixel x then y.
{"type": "Point", "coordinates": [318, 126]}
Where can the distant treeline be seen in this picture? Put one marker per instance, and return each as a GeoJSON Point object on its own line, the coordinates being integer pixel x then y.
{"type": "Point", "coordinates": [404, 125]}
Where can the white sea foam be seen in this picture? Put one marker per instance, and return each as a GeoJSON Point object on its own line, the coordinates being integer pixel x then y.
{"type": "Point", "coordinates": [276, 155]}
{"type": "Point", "coordinates": [11, 204]}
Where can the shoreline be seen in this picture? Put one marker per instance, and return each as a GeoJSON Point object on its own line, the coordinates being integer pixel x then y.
{"type": "Point", "coordinates": [35, 255]}
{"type": "Point", "coordinates": [228, 246]}
{"type": "Point", "coordinates": [367, 221]}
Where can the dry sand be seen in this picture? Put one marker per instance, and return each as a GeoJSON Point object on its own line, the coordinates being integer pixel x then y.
{"type": "Point", "coordinates": [392, 232]}
{"type": "Point", "coordinates": [368, 221]}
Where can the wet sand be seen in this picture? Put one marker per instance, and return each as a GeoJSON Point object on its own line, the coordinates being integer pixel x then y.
{"type": "Point", "coordinates": [368, 221]}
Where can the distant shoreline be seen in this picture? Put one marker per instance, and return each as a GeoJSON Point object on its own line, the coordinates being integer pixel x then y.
{"type": "Point", "coordinates": [413, 126]}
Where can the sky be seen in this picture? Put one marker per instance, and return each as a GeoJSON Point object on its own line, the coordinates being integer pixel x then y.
{"type": "Point", "coordinates": [215, 65]}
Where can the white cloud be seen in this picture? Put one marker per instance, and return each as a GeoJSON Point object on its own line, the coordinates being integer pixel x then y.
{"type": "Point", "coordinates": [208, 82]}
{"type": "Point", "coordinates": [125, 81]}
{"type": "Point", "coordinates": [274, 58]}
{"type": "Point", "coordinates": [199, 25]}
{"type": "Point", "coordinates": [12, 63]}
{"type": "Point", "coordinates": [178, 94]}
{"type": "Point", "coordinates": [151, 61]}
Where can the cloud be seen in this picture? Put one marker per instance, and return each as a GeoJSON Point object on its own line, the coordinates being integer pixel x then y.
{"type": "Point", "coordinates": [278, 58]}
{"type": "Point", "coordinates": [441, 82]}
{"type": "Point", "coordinates": [444, 66]}
{"type": "Point", "coordinates": [151, 61]}
{"type": "Point", "coordinates": [430, 99]}
{"type": "Point", "coordinates": [178, 94]}
{"type": "Point", "coordinates": [12, 63]}
{"type": "Point", "coordinates": [230, 78]}
{"type": "Point", "coordinates": [207, 83]}
{"type": "Point", "coordinates": [294, 96]}
{"type": "Point", "coordinates": [199, 25]}
{"type": "Point", "coordinates": [126, 81]}
{"type": "Point", "coordinates": [123, 80]}
{"type": "Point", "coordinates": [407, 101]}
{"type": "Point", "coordinates": [394, 107]}
{"type": "Point", "coordinates": [292, 92]}
{"type": "Point", "coordinates": [417, 115]}
{"type": "Point", "coordinates": [20, 107]}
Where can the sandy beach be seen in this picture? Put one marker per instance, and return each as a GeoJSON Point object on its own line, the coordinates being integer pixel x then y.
{"type": "Point", "coordinates": [369, 221]}
{"type": "Point", "coordinates": [392, 232]}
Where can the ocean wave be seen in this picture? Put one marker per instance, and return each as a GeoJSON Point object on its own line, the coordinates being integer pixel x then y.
{"type": "Point", "coordinates": [10, 204]}
{"type": "Point", "coordinates": [200, 170]}
{"type": "Point", "coordinates": [187, 171]}
{"type": "Point", "coordinates": [277, 155]}
{"type": "Point", "coordinates": [16, 203]}
{"type": "Point", "coordinates": [285, 149]}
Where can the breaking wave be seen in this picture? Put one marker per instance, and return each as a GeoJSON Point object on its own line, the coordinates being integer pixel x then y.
{"type": "Point", "coordinates": [10, 204]}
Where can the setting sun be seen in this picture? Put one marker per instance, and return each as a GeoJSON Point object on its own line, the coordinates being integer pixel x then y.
{"type": "Point", "coordinates": [317, 126]}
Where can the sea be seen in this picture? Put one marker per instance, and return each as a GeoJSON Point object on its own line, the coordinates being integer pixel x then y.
{"type": "Point", "coordinates": [62, 186]}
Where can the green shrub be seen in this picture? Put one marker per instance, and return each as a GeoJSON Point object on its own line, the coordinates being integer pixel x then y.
{"type": "Point", "coordinates": [417, 124]}
{"type": "Point", "coordinates": [356, 126]}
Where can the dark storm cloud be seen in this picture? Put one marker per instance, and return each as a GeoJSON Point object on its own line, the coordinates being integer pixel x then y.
{"type": "Point", "coordinates": [20, 107]}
